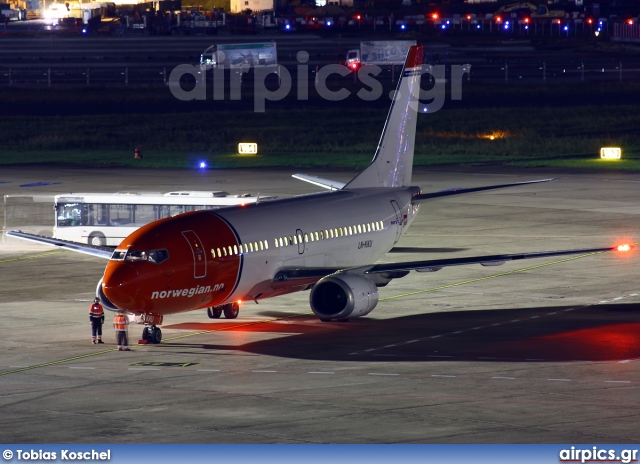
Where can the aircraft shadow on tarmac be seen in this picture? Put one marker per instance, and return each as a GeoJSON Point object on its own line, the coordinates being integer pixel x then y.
{"type": "Point", "coordinates": [551, 334]}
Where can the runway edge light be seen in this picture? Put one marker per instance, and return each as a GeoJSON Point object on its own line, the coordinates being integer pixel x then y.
{"type": "Point", "coordinates": [610, 153]}
{"type": "Point", "coordinates": [248, 148]}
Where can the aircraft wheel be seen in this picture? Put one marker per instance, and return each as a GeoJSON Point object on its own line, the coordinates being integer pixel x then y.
{"type": "Point", "coordinates": [214, 313]}
{"type": "Point", "coordinates": [145, 334]}
{"type": "Point", "coordinates": [155, 336]}
{"type": "Point", "coordinates": [231, 310]}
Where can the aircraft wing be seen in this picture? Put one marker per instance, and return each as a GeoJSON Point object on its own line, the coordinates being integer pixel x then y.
{"type": "Point", "coordinates": [99, 251]}
{"type": "Point", "coordinates": [460, 191]}
{"type": "Point", "coordinates": [490, 260]}
{"type": "Point", "coordinates": [319, 181]}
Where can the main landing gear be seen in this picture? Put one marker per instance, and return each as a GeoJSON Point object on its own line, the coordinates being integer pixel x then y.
{"type": "Point", "coordinates": [152, 334]}
{"type": "Point", "coordinates": [230, 310]}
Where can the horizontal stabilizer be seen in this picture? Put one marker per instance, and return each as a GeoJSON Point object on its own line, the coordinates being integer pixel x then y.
{"type": "Point", "coordinates": [460, 191]}
{"type": "Point", "coordinates": [99, 251]}
{"type": "Point", "coordinates": [319, 181]}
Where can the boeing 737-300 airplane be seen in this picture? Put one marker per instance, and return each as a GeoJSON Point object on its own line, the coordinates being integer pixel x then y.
{"type": "Point", "coordinates": [327, 242]}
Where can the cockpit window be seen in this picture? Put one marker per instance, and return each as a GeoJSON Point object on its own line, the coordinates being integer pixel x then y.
{"type": "Point", "coordinates": [158, 256]}
{"type": "Point", "coordinates": [153, 256]}
{"type": "Point", "coordinates": [118, 255]}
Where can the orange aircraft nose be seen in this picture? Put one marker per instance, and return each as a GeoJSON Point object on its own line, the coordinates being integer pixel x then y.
{"type": "Point", "coordinates": [120, 284]}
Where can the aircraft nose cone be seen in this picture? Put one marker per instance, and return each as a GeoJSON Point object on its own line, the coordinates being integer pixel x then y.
{"type": "Point", "coordinates": [120, 285]}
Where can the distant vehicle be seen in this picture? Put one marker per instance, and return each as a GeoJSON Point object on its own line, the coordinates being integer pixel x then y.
{"type": "Point", "coordinates": [229, 56]}
{"type": "Point", "coordinates": [105, 219]}
{"type": "Point", "coordinates": [11, 12]}
{"type": "Point", "coordinates": [380, 52]}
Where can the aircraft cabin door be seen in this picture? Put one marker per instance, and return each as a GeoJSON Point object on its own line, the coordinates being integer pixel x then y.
{"type": "Point", "coordinates": [199, 255]}
{"type": "Point", "coordinates": [399, 220]}
{"type": "Point", "coordinates": [301, 243]}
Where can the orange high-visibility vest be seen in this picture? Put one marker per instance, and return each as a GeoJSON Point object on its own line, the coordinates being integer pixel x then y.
{"type": "Point", "coordinates": [96, 310]}
{"type": "Point", "coordinates": [120, 322]}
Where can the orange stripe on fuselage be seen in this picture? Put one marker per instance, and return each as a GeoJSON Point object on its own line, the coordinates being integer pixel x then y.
{"type": "Point", "coordinates": [171, 286]}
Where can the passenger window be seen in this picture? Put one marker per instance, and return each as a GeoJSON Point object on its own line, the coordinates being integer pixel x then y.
{"type": "Point", "coordinates": [235, 250]}
{"type": "Point", "coordinates": [213, 253]}
{"type": "Point", "coordinates": [359, 229]}
{"type": "Point", "coordinates": [266, 245]}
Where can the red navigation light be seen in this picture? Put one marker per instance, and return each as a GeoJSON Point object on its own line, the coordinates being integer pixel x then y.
{"type": "Point", "coordinates": [469, 17]}
{"type": "Point", "coordinates": [589, 21]}
{"type": "Point", "coordinates": [630, 22]}
{"type": "Point", "coordinates": [358, 17]}
{"type": "Point", "coordinates": [526, 20]}
{"type": "Point", "coordinates": [498, 19]}
{"type": "Point", "coordinates": [558, 21]}
{"type": "Point", "coordinates": [434, 16]}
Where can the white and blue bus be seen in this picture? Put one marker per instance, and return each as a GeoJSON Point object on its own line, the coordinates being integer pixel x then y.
{"type": "Point", "coordinates": [107, 218]}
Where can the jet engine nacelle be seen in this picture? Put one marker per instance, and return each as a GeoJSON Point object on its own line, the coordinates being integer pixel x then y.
{"type": "Point", "coordinates": [343, 296]}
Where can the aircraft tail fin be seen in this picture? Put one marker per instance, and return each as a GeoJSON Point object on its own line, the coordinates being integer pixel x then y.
{"type": "Point", "coordinates": [393, 162]}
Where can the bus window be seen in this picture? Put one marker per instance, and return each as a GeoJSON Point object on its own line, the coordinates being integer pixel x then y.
{"type": "Point", "coordinates": [120, 215]}
{"type": "Point", "coordinates": [71, 214]}
{"type": "Point", "coordinates": [143, 214]}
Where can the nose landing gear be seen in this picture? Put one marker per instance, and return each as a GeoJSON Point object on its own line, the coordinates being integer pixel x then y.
{"type": "Point", "coordinates": [152, 334]}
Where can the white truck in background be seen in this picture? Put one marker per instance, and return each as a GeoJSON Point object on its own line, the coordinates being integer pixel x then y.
{"type": "Point", "coordinates": [229, 56]}
{"type": "Point", "coordinates": [379, 52]}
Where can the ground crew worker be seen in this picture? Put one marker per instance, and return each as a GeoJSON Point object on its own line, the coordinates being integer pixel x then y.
{"type": "Point", "coordinates": [120, 323]}
{"type": "Point", "coordinates": [96, 316]}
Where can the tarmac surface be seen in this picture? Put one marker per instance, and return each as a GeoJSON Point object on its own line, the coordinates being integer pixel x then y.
{"type": "Point", "coordinates": [542, 351]}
